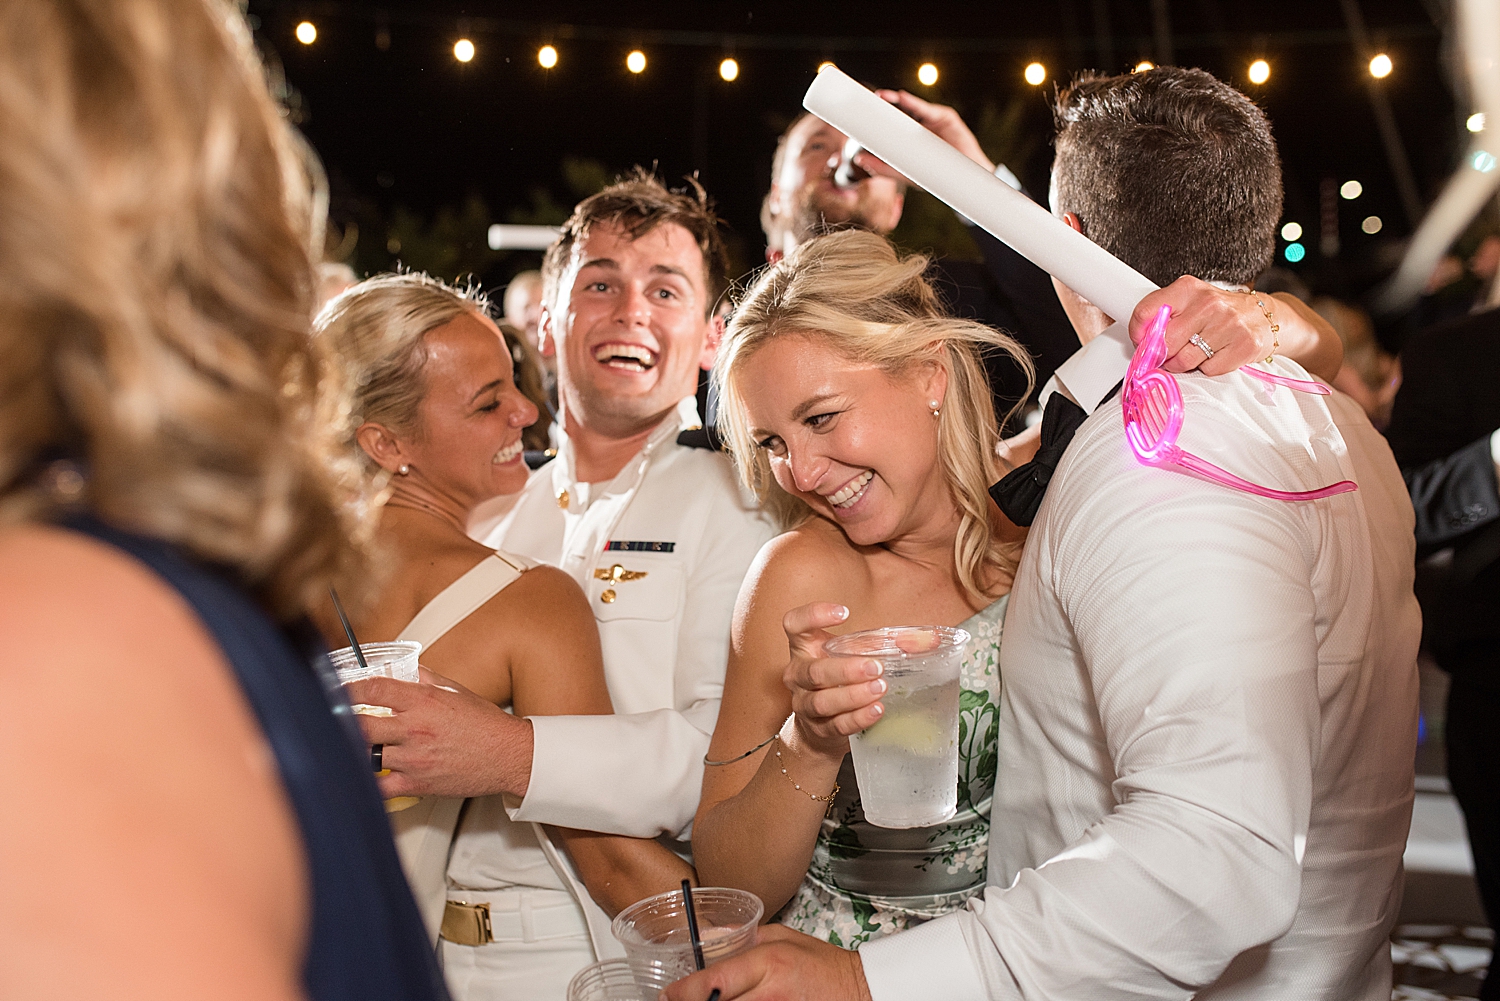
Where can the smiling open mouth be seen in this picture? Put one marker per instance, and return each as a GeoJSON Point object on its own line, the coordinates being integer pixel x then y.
{"type": "Point", "coordinates": [851, 491]}
{"type": "Point", "coordinates": [628, 357]}
{"type": "Point", "coordinates": [508, 453]}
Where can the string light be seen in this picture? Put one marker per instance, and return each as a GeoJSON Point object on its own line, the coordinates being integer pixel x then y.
{"type": "Point", "coordinates": [547, 57]}
{"type": "Point", "coordinates": [1143, 66]}
{"type": "Point", "coordinates": [1381, 66]}
{"type": "Point", "coordinates": [927, 74]}
{"type": "Point", "coordinates": [307, 32]}
{"type": "Point", "coordinates": [1291, 231]}
{"type": "Point", "coordinates": [463, 50]}
{"type": "Point", "coordinates": [729, 69]}
{"type": "Point", "coordinates": [1260, 71]}
{"type": "Point", "coordinates": [1295, 252]}
{"type": "Point", "coordinates": [1475, 122]}
{"type": "Point", "coordinates": [1035, 74]}
{"type": "Point", "coordinates": [1372, 224]}
{"type": "Point", "coordinates": [1351, 190]}
{"type": "Point", "coordinates": [636, 61]}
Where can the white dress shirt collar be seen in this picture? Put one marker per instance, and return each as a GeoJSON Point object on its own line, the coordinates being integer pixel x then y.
{"type": "Point", "coordinates": [684, 417]}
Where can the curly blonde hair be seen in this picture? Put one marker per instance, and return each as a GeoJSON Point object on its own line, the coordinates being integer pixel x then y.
{"type": "Point", "coordinates": [851, 290]}
{"type": "Point", "coordinates": [158, 225]}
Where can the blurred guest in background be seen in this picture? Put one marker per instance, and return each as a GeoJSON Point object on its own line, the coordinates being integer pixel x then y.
{"type": "Point", "coordinates": [527, 365]}
{"type": "Point", "coordinates": [1445, 433]}
{"type": "Point", "coordinates": [438, 417]}
{"type": "Point", "coordinates": [1370, 373]}
{"type": "Point", "coordinates": [190, 810]}
{"type": "Point", "coordinates": [523, 310]}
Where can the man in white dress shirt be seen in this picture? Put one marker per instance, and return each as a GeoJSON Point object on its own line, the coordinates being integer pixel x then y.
{"type": "Point", "coordinates": [1209, 722]}
{"type": "Point", "coordinates": [649, 520]}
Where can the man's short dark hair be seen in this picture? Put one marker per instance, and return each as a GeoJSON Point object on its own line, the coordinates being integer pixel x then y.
{"type": "Point", "coordinates": [638, 204]}
{"type": "Point", "coordinates": [1172, 171]}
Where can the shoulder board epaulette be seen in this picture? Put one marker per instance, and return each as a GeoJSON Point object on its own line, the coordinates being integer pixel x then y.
{"type": "Point", "coordinates": [537, 459]}
{"type": "Point", "coordinates": [701, 438]}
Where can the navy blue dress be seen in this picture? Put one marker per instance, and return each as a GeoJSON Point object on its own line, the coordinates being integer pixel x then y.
{"type": "Point", "coordinates": [367, 942]}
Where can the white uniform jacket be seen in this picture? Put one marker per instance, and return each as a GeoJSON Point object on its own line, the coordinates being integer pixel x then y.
{"type": "Point", "coordinates": [682, 533]}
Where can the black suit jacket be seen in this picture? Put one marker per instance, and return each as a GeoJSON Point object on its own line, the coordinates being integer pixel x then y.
{"type": "Point", "coordinates": [1009, 293]}
{"type": "Point", "coordinates": [1445, 411]}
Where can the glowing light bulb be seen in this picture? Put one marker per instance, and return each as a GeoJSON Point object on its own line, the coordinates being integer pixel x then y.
{"type": "Point", "coordinates": [1143, 66]}
{"type": "Point", "coordinates": [463, 50]}
{"type": "Point", "coordinates": [927, 74]}
{"type": "Point", "coordinates": [547, 57]}
{"type": "Point", "coordinates": [1372, 224]}
{"type": "Point", "coordinates": [1260, 71]}
{"type": "Point", "coordinates": [307, 32]}
{"type": "Point", "coordinates": [636, 61]}
{"type": "Point", "coordinates": [1381, 66]}
{"type": "Point", "coordinates": [1351, 190]}
{"type": "Point", "coordinates": [1035, 74]}
{"type": "Point", "coordinates": [729, 69]}
{"type": "Point", "coordinates": [1291, 231]}
{"type": "Point", "coordinates": [1475, 122]}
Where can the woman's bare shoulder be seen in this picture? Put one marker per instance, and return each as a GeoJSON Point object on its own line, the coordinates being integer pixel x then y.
{"type": "Point", "coordinates": [814, 553]}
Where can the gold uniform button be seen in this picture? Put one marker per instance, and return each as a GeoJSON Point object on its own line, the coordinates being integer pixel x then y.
{"type": "Point", "coordinates": [562, 499]}
{"type": "Point", "coordinates": [608, 595]}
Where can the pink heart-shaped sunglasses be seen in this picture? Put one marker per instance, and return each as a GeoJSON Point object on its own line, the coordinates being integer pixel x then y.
{"type": "Point", "coordinates": [1153, 417]}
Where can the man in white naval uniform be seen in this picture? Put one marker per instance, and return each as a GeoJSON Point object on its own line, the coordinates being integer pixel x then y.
{"type": "Point", "coordinates": [1207, 733]}
{"type": "Point", "coordinates": [637, 507]}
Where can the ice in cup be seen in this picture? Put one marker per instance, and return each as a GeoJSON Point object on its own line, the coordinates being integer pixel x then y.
{"type": "Point", "coordinates": [613, 980]}
{"type": "Point", "coordinates": [395, 659]}
{"type": "Point", "coordinates": [654, 931]}
{"type": "Point", "coordinates": [907, 763]}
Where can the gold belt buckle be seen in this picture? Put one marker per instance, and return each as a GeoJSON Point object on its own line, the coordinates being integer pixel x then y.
{"type": "Point", "coordinates": [466, 924]}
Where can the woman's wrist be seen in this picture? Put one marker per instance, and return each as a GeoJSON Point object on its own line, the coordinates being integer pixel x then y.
{"type": "Point", "coordinates": [803, 742]}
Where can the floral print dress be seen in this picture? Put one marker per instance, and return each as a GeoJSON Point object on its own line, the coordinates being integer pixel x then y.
{"type": "Point", "coordinates": [864, 881]}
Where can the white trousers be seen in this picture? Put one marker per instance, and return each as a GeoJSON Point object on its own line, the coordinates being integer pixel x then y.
{"type": "Point", "coordinates": [541, 941]}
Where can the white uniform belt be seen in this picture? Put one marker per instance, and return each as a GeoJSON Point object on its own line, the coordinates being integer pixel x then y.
{"type": "Point", "coordinates": [478, 917]}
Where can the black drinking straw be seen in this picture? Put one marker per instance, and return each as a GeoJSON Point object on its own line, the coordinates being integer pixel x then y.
{"type": "Point", "coordinates": [692, 916]}
{"type": "Point", "coordinates": [359, 654]}
{"type": "Point", "coordinates": [714, 996]}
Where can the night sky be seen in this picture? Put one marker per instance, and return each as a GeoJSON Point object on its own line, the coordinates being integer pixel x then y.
{"type": "Point", "coordinates": [414, 141]}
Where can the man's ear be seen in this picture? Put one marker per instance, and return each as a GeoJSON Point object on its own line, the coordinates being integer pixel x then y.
{"type": "Point", "coordinates": [1071, 219]}
{"type": "Point", "coordinates": [381, 445]}
{"type": "Point", "coordinates": [546, 344]}
{"type": "Point", "coordinates": [711, 341]}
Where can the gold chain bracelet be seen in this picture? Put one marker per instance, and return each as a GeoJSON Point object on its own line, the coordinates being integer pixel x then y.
{"type": "Point", "coordinates": [1275, 327]}
{"type": "Point", "coordinates": [797, 785]}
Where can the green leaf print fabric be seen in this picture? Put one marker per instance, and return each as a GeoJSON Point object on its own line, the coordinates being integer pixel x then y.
{"type": "Point", "coordinates": [864, 881]}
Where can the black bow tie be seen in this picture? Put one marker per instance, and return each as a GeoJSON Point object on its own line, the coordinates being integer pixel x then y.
{"type": "Point", "coordinates": [1019, 493]}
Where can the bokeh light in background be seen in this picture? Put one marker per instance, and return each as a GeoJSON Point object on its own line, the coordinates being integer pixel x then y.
{"type": "Point", "coordinates": [729, 69]}
{"type": "Point", "coordinates": [1291, 231]}
{"type": "Point", "coordinates": [307, 33]}
{"type": "Point", "coordinates": [463, 50]}
{"type": "Point", "coordinates": [1372, 224]}
{"type": "Point", "coordinates": [636, 61]}
{"type": "Point", "coordinates": [1143, 66]}
{"type": "Point", "coordinates": [1351, 190]}
{"type": "Point", "coordinates": [927, 74]}
{"type": "Point", "coordinates": [1381, 66]}
{"type": "Point", "coordinates": [1295, 252]}
{"type": "Point", "coordinates": [1260, 71]}
{"type": "Point", "coordinates": [546, 56]}
{"type": "Point", "coordinates": [1475, 122]}
{"type": "Point", "coordinates": [1035, 74]}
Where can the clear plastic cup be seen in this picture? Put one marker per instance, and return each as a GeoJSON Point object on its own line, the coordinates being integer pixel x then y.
{"type": "Point", "coordinates": [614, 980]}
{"type": "Point", "coordinates": [907, 763]}
{"type": "Point", "coordinates": [395, 659]}
{"type": "Point", "coordinates": [654, 931]}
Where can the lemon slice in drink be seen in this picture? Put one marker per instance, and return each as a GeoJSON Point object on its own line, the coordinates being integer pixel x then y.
{"type": "Point", "coordinates": [915, 734]}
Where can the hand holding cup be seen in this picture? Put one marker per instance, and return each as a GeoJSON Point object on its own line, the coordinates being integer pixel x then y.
{"type": "Point", "coordinates": [832, 697]}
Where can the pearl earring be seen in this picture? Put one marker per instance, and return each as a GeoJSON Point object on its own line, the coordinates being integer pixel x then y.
{"type": "Point", "coordinates": [405, 470]}
{"type": "Point", "coordinates": [934, 405]}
